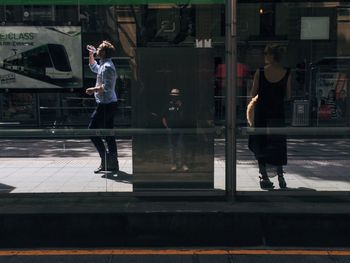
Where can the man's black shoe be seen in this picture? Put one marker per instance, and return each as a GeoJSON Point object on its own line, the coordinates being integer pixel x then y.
{"type": "Point", "coordinates": [100, 168]}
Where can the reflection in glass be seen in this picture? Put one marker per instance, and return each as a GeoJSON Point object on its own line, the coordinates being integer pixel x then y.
{"type": "Point", "coordinates": [318, 114]}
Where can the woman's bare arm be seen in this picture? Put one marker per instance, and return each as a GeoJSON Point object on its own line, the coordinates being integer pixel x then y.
{"type": "Point", "coordinates": [255, 87]}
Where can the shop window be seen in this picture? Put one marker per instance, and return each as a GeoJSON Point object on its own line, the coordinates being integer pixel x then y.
{"type": "Point", "coordinates": [66, 15]}
{"type": "Point", "coordinates": [158, 66]}
{"type": "Point", "coordinates": [13, 14]}
{"type": "Point", "coordinates": [18, 107]}
{"type": "Point", "coordinates": [2, 14]}
{"type": "Point", "coordinates": [172, 25]}
{"type": "Point", "coordinates": [267, 20]}
{"type": "Point", "coordinates": [313, 38]}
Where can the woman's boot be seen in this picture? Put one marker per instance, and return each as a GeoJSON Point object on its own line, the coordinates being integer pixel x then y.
{"type": "Point", "coordinates": [265, 182]}
{"type": "Point", "coordinates": [282, 183]}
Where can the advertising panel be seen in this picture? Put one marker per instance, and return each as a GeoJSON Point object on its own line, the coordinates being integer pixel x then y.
{"type": "Point", "coordinates": [40, 57]}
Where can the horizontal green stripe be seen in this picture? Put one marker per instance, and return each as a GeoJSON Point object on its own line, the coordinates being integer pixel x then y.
{"type": "Point", "coordinates": [106, 2]}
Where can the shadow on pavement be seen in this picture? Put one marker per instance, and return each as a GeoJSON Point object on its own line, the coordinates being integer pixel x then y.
{"type": "Point", "coordinates": [119, 176]}
{"type": "Point", "coordinates": [4, 188]}
{"type": "Point", "coordinates": [291, 189]}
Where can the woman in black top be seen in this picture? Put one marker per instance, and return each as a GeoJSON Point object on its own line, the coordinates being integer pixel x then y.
{"type": "Point", "coordinates": [272, 84]}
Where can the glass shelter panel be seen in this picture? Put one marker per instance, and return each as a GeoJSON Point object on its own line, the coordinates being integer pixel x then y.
{"type": "Point", "coordinates": [148, 114]}
{"type": "Point", "coordinates": [295, 57]}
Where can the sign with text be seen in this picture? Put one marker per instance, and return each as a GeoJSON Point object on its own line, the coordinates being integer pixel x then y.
{"type": "Point", "coordinates": [40, 57]}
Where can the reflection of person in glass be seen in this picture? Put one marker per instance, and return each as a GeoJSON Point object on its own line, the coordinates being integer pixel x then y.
{"type": "Point", "coordinates": [173, 117]}
{"type": "Point", "coordinates": [320, 98]}
{"type": "Point", "coordinates": [341, 103]}
{"type": "Point", "coordinates": [273, 84]}
{"type": "Point", "coordinates": [20, 103]}
{"type": "Point", "coordinates": [330, 102]}
{"type": "Point", "coordinates": [106, 99]}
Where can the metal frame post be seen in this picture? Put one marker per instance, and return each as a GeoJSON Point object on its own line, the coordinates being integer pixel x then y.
{"type": "Point", "coordinates": [231, 86]}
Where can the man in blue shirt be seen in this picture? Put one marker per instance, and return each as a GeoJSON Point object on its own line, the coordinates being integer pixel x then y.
{"type": "Point", "coordinates": [106, 99]}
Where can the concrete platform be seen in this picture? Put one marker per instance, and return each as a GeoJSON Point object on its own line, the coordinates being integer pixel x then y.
{"type": "Point", "coordinates": [98, 211]}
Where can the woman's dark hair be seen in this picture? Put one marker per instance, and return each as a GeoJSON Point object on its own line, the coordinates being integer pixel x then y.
{"type": "Point", "coordinates": [276, 50]}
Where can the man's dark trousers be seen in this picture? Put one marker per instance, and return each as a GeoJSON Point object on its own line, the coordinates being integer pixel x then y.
{"type": "Point", "coordinates": [103, 118]}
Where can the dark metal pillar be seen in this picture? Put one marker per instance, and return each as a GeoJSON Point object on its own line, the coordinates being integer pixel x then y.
{"type": "Point", "coordinates": [231, 83]}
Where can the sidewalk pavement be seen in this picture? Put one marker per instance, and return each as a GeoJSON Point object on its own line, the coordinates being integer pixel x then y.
{"type": "Point", "coordinates": [66, 165]}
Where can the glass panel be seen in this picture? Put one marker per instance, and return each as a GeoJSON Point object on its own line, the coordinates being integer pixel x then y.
{"type": "Point", "coordinates": [172, 97]}
{"type": "Point", "coordinates": [312, 125]}
{"type": "Point", "coordinates": [18, 107]}
{"type": "Point", "coordinates": [167, 74]}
